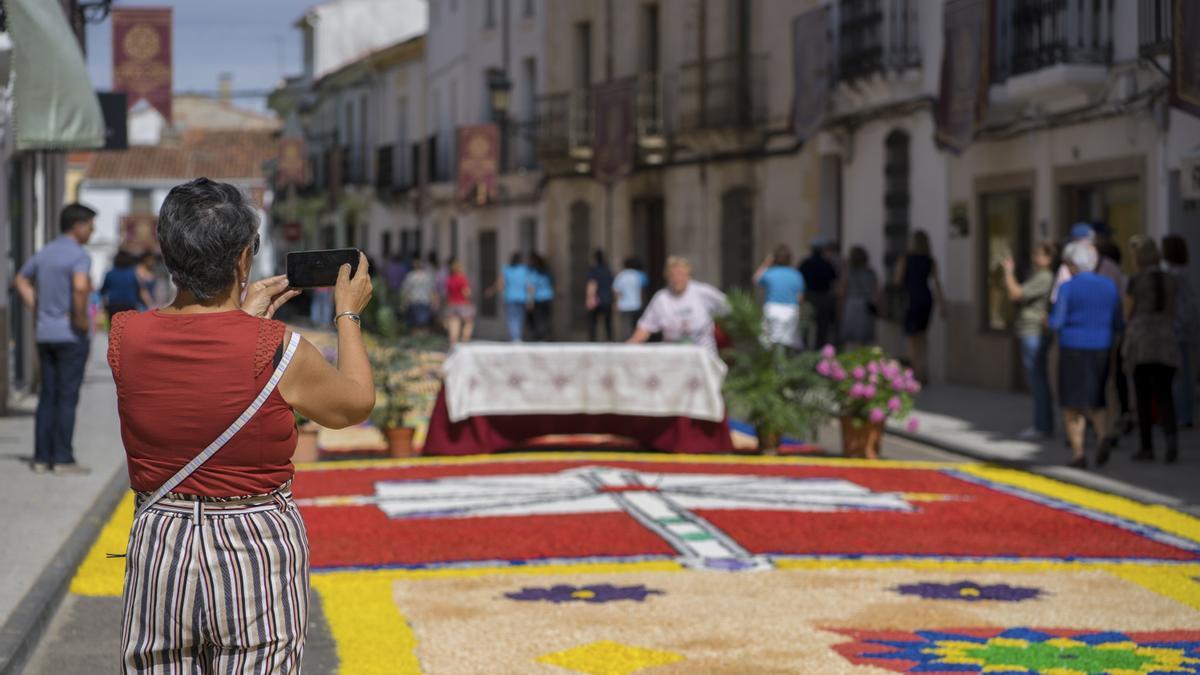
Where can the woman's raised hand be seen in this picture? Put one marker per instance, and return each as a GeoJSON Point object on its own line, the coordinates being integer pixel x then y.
{"type": "Point", "coordinates": [265, 296]}
{"type": "Point", "coordinates": [351, 294]}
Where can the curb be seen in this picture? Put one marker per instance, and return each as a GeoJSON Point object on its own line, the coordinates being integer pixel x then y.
{"type": "Point", "coordinates": [1060, 473]}
{"type": "Point", "coordinates": [20, 634]}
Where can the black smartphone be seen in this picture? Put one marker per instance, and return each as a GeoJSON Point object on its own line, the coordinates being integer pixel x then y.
{"type": "Point", "coordinates": [315, 269]}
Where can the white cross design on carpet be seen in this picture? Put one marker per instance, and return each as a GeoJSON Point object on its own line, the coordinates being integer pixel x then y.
{"type": "Point", "coordinates": [664, 503]}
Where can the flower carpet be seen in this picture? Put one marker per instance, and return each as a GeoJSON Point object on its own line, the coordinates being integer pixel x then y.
{"type": "Point", "coordinates": [614, 563]}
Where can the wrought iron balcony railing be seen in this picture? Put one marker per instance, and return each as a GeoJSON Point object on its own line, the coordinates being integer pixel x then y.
{"type": "Point", "coordinates": [877, 36]}
{"type": "Point", "coordinates": [564, 125]}
{"type": "Point", "coordinates": [1045, 33]}
{"type": "Point", "coordinates": [1154, 27]}
{"type": "Point", "coordinates": [725, 92]}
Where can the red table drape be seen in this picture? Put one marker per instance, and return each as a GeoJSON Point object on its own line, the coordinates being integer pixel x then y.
{"type": "Point", "coordinates": [493, 433]}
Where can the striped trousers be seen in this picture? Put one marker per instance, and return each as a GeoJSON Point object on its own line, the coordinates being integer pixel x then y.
{"type": "Point", "coordinates": [216, 587]}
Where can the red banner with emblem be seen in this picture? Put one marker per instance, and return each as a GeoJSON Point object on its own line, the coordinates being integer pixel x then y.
{"type": "Point", "coordinates": [478, 161]}
{"type": "Point", "coordinates": [141, 44]}
{"type": "Point", "coordinates": [138, 232]}
{"type": "Point", "coordinates": [966, 67]}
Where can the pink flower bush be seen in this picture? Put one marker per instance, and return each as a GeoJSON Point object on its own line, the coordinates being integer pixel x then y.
{"type": "Point", "coordinates": [869, 386]}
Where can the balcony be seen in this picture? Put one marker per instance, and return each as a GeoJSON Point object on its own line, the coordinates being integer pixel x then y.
{"type": "Point", "coordinates": [393, 173]}
{"type": "Point", "coordinates": [875, 36]}
{"type": "Point", "coordinates": [564, 127]}
{"type": "Point", "coordinates": [723, 93]}
{"type": "Point", "coordinates": [1052, 49]}
{"type": "Point", "coordinates": [1154, 27]}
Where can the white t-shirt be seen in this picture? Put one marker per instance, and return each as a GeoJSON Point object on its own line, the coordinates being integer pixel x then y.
{"type": "Point", "coordinates": [687, 317]}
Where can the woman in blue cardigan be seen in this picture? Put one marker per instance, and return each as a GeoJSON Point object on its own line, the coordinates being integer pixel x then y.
{"type": "Point", "coordinates": [1086, 316]}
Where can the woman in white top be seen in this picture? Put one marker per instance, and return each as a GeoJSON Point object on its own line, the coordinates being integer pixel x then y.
{"type": "Point", "coordinates": [684, 310]}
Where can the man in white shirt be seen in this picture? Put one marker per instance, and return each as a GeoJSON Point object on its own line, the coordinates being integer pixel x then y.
{"type": "Point", "coordinates": [684, 310]}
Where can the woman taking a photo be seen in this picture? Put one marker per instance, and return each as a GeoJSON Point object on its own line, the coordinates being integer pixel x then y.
{"type": "Point", "coordinates": [206, 390]}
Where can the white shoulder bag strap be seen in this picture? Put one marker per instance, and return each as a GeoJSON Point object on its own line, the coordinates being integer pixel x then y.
{"type": "Point", "coordinates": [229, 433]}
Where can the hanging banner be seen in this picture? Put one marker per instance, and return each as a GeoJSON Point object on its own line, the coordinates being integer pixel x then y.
{"type": "Point", "coordinates": [612, 127]}
{"type": "Point", "coordinates": [478, 160]}
{"type": "Point", "coordinates": [290, 167]}
{"type": "Point", "coordinates": [138, 232]}
{"type": "Point", "coordinates": [965, 72]}
{"type": "Point", "coordinates": [141, 45]}
{"type": "Point", "coordinates": [1185, 57]}
{"type": "Point", "coordinates": [810, 72]}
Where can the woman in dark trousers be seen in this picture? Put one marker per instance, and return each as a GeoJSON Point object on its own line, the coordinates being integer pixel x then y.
{"type": "Point", "coordinates": [599, 297]}
{"type": "Point", "coordinates": [543, 298]}
{"type": "Point", "coordinates": [917, 273]}
{"type": "Point", "coordinates": [1150, 349]}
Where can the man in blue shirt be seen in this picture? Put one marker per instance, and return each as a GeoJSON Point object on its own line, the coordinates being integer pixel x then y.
{"type": "Point", "coordinates": [783, 289]}
{"type": "Point", "coordinates": [55, 284]}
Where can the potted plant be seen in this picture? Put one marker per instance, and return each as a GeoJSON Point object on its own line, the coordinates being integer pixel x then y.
{"type": "Point", "coordinates": [772, 388]}
{"type": "Point", "coordinates": [306, 440]}
{"type": "Point", "coordinates": [392, 403]}
{"type": "Point", "coordinates": [868, 389]}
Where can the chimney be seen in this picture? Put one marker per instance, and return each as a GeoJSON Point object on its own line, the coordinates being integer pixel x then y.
{"type": "Point", "coordinates": [225, 88]}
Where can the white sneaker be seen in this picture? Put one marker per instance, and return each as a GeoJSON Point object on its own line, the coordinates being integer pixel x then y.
{"type": "Point", "coordinates": [1031, 434]}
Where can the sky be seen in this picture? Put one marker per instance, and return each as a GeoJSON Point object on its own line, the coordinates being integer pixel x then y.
{"type": "Point", "coordinates": [252, 39]}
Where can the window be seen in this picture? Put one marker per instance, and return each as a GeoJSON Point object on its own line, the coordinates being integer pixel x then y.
{"type": "Point", "coordinates": [1005, 221]}
{"type": "Point", "coordinates": [648, 58]}
{"type": "Point", "coordinates": [401, 156]}
{"type": "Point", "coordinates": [579, 254]}
{"type": "Point", "coordinates": [489, 14]}
{"type": "Point", "coordinates": [737, 239]}
{"type": "Point", "coordinates": [139, 202]}
{"type": "Point", "coordinates": [583, 55]}
{"type": "Point", "coordinates": [896, 197]}
{"type": "Point", "coordinates": [489, 269]}
{"type": "Point", "coordinates": [528, 10]}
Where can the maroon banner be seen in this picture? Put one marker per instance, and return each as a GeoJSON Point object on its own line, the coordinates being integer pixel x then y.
{"type": "Point", "coordinates": [290, 167]}
{"type": "Point", "coordinates": [612, 128]}
{"type": "Point", "coordinates": [138, 232]}
{"type": "Point", "coordinates": [141, 46]}
{"type": "Point", "coordinates": [810, 72]}
{"type": "Point", "coordinates": [478, 161]}
{"type": "Point", "coordinates": [965, 72]}
{"type": "Point", "coordinates": [1185, 57]}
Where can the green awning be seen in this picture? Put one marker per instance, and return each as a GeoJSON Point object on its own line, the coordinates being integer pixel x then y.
{"type": "Point", "coordinates": [55, 105]}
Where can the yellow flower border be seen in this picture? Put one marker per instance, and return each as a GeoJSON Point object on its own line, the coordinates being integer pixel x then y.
{"type": "Point", "coordinates": [372, 636]}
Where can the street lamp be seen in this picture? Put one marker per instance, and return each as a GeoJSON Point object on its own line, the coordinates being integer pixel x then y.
{"type": "Point", "coordinates": [500, 91]}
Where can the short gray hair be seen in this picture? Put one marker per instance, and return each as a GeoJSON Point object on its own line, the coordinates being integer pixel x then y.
{"type": "Point", "coordinates": [203, 226]}
{"type": "Point", "coordinates": [1082, 254]}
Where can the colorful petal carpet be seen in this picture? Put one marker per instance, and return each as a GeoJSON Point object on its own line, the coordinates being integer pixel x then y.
{"type": "Point", "coordinates": [615, 563]}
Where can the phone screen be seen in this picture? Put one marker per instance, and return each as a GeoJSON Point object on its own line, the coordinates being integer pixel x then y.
{"type": "Point", "coordinates": [316, 269]}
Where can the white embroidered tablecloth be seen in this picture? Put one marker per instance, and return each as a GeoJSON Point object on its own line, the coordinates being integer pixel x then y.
{"type": "Point", "coordinates": [653, 380]}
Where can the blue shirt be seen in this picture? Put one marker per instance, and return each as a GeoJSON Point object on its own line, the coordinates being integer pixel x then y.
{"type": "Point", "coordinates": [543, 287]}
{"type": "Point", "coordinates": [1087, 312]}
{"type": "Point", "coordinates": [121, 287]}
{"type": "Point", "coordinates": [629, 285]}
{"type": "Point", "coordinates": [52, 271]}
{"type": "Point", "coordinates": [516, 282]}
{"type": "Point", "coordinates": [783, 285]}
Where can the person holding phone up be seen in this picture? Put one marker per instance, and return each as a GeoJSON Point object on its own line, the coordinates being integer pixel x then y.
{"type": "Point", "coordinates": [206, 391]}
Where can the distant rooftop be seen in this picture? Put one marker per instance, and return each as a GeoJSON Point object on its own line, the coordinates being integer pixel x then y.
{"type": "Point", "coordinates": [218, 154]}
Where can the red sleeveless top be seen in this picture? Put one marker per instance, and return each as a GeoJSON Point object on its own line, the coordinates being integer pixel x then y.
{"type": "Point", "coordinates": [181, 380]}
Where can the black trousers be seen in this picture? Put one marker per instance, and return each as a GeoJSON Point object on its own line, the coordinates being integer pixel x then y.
{"type": "Point", "coordinates": [600, 313]}
{"type": "Point", "coordinates": [540, 320]}
{"type": "Point", "coordinates": [1151, 381]}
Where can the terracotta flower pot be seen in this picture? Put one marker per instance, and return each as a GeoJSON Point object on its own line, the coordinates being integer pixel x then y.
{"type": "Point", "coordinates": [400, 441]}
{"type": "Point", "coordinates": [768, 441]}
{"type": "Point", "coordinates": [861, 440]}
{"type": "Point", "coordinates": [306, 445]}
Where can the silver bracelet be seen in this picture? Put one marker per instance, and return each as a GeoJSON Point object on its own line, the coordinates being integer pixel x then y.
{"type": "Point", "coordinates": [353, 317]}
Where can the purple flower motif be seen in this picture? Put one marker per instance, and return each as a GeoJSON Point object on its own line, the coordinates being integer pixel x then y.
{"type": "Point", "coordinates": [828, 352]}
{"type": "Point", "coordinates": [913, 425]}
{"type": "Point", "coordinates": [969, 591]}
{"type": "Point", "coordinates": [858, 372]}
{"type": "Point", "coordinates": [595, 594]}
{"type": "Point", "coordinates": [894, 403]}
{"type": "Point", "coordinates": [877, 415]}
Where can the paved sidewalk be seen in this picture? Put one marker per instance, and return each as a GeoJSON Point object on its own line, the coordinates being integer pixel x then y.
{"type": "Point", "coordinates": [984, 424]}
{"type": "Point", "coordinates": [46, 518]}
